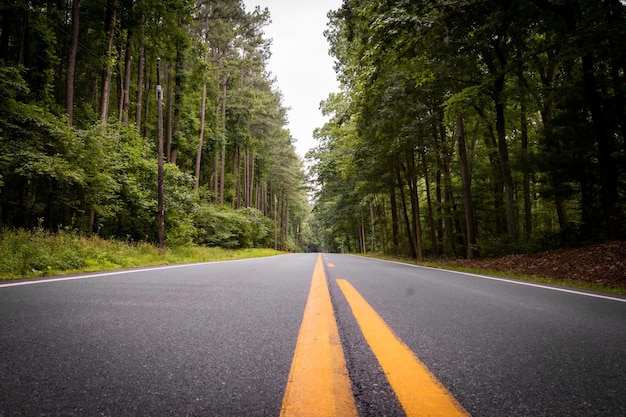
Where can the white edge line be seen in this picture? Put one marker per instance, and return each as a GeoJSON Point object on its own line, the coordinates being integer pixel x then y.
{"type": "Point", "coordinates": [111, 273]}
{"type": "Point", "coordinates": [511, 281]}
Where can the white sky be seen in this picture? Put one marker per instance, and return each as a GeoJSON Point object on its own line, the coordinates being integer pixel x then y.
{"type": "Point", "coordinates": [300, 61]}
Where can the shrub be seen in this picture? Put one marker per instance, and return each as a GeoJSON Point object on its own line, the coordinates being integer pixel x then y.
{"type": "Point", "coordinates": [229, 228]}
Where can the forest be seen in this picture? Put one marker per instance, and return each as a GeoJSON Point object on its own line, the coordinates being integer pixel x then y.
{"type": "Point", "coordinates": [462, 129]}
{"type": "Point", "coordinates": [473, 128]}
{"type": "Point", "coordinates": [147, 121]}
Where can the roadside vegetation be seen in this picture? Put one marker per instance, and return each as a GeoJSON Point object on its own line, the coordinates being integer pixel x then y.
{"type": "Point", "coordinates": [39, 253]}
{"type": "Point", "coordinates": [600, 267]}
{"type": "Point", "coordinates": [87, 146]}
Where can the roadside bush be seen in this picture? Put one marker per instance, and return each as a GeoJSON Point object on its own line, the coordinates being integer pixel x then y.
{"type": "Point", "coordinates": [229, 228]}
{"type": "Point", "coordinates": [38, 252]}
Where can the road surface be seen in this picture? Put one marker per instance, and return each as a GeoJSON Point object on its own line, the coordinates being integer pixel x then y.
{"type": "Point", "coordinates": [271, 336]}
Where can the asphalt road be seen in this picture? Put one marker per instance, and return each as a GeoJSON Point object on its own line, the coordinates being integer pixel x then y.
{"type": "Point", "coordinates": [218, 340]}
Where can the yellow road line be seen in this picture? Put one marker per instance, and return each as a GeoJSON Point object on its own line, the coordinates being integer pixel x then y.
{"type": "Point", "coordinates": [419, 392]}
{"type": "Point", "coordinates": [318, 382]}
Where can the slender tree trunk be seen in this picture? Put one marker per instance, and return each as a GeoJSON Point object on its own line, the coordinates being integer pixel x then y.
{"type": "Point", "coordinates": [140, 74]}
{"type": "Point", "coordinates": [431, 217]}
{"type": "Point", "coordinates": [251, 177]}
{"type": "Point", "coordinates": [146, 126]}
{"type": "Point", "coordinates": [466, 185]}
{"type": "Point", "coordinates": [620, 101]}
{"type": "Point", "coordinates": [161, 170]}
{"type": "Point", "coordinates": [201, 138]}
{"type": "Point", "coordinates": [216, 153]}
{"type": "Point", "coordinates": [168, 113]}
{"type": "Point", "coordinates": [372, 225]}
{"type": "Point", "coordinates": [415, 206]}
{"type": "Point", "coordinates": [528, 225]}
{"type": "Point", "coordinates": [406, 213]}
{"type": "Point", "coordinates": [551, 143]}
{"type": "Point", "coordinates": [394, 215]}
{"type": "Point", "coordinates": [178, 94]}
{"type": "Point", "coordinates": [127, 72]}
{"type": "Point", "coordinates": [507, 177]}
{"type": "Point", "coordinates": [603, 142]}
{"type": "Point", "coordinates": [108, 56]}
{"type": "Point", "coordinates": [71, 61]}
{"type": "Point", "coordinates": [275, 222]}
{"type": "Point", "coordinates": [237, 175]}
{"type": "Point", "coordinates": [223, 155]}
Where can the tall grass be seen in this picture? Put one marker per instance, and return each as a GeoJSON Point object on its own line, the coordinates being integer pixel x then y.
{"type": "Point", "coordinates": [39, 253]}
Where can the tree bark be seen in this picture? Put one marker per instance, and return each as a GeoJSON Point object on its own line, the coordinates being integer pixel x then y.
{"type": "Point", "coordinates": [140, 74]}
{"type": "Point", "coordinates": [223, 152]}
{"type": "Point", "coordinates": [127, 69]}
{"type": "Point", "coordinates": [394, 215]}
{"type": "Point", "coordinates": [603, 142]}
{"type": "Point", "coordinates": [201, 138]}
{"type": "Point", "coordinates": [507, 177]}
{"type": "Point", "coordinates": [71, 61]}
{"type": "Point", "coordinates": [528, 225]}
{"type": "Point", "coordinates": [161, 169]}
{"type": "Point", "coordinates": [415, 206]}
{"type": "Point", "coordinates": [168, 113]}
{"type": "Point", "coordinates": [178, 97]}
{"type": "Point", "coordinates": [406, 213]}
{"type": "Point", "coordinates": [431, 217]}
{"type": "Point", "coordinates": [470, 224]}
{"type": "Point", "coordinates": [108, 56]}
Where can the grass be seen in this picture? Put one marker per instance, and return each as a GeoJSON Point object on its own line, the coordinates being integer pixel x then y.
{"type": "Point", "coordinates": [38, 253]}
{"type": "Point", "coordinates": [582, 285]}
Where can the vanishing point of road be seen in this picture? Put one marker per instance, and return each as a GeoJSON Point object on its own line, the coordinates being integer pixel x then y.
{"type": "Point", "coordinates": [308, 335]}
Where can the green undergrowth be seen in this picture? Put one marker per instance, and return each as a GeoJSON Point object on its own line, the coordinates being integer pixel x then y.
{"type": "Point", "coordinates": [582, 285]}
{"type": "Point", "coordinates": [38, 253]}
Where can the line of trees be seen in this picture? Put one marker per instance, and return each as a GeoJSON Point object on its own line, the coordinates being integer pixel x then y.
{"type": "Point", "coordinates": [473, 128]}
{"type": "Point", "coordinates": [79, 125]}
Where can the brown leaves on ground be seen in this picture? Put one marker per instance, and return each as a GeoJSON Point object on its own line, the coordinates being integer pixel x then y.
{"type": "Point", "coordinates": [603, 264]}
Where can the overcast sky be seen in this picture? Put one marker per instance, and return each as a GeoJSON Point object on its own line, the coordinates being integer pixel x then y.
{"type": "Point", "coordinates": [300, 61]}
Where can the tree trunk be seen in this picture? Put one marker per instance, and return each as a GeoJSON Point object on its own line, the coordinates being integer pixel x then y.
{"type": "Point", "coordinates": [178, 97]}
{"type": "Point", "coordinates": [125, 108]}
{"type": "Point", "coordinates": [406, 213]}
{"type": "Point", "coordinates": [431, 217]}
{"type": "Point", "coordinates": [161, 170]}
{"type": "Point", "coordinates": [415, 206]}
{"type": "Point", "coordinates": [372, 225]}
{"type": "Point", "coordinates": [237, 175]}
{"type": "Point", "coordinates": [528, 225]}
{"type": "Point", "coordinates": [275, 222]}
{"type": "Point", "coordinates": [251, 178]}
{"type": "Point", "coordinates": [201, 138]}
{"type": "Point", "coordinates": [466, 184]}
{"type": "Point", "coordinates": [394, 215]}
{"type": "Point", "coordinates": [108, 56]}
{"type": "Point", "coordinates": [223, 153]}
{"type": "Point", "coordinates": [603, 142]}
{"type": "Point", "coordinates": [168, 113]}
{"type": "Point", "coordinates": [216, 153]}
{"type": "Point", "coordinates": [507, 177]}
{"type": "Point", "coordinates": [71, 61]}
{"type": "Point", "coordinates": [140, 73]}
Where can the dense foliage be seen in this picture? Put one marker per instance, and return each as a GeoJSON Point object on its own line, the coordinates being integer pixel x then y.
{"type": "Point", "coordinates": [468, 128]}
{"type": "Point", "coordinates": [79, 123]}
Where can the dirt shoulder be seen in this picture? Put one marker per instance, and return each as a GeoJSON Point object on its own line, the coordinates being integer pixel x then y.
{"type": "Point", "coordinates": [598, 265]}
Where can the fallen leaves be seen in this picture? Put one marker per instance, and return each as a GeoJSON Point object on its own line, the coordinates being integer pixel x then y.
{"type": "Point", "coordinates": [603, 264]}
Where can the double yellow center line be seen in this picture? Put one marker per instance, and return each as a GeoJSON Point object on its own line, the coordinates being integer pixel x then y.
{"type": "Point", "coordinates": [319, 384]}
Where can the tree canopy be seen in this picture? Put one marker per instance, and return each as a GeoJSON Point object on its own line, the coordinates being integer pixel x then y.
{"type": "Point", "coordinates": [468, 128]}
